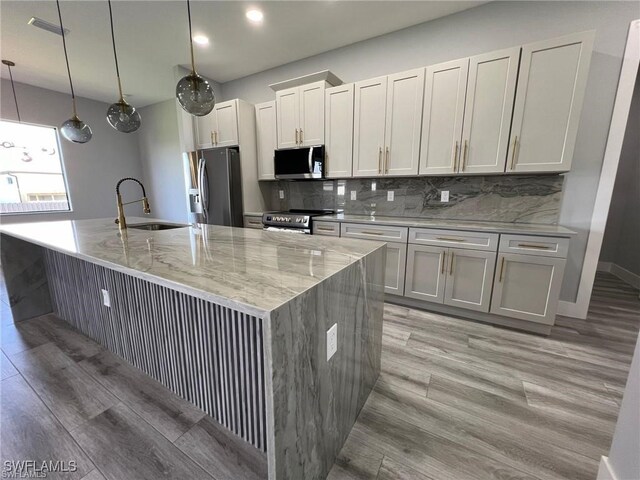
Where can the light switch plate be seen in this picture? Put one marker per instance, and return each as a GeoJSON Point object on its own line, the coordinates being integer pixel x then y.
{"type": "Point", "coordinates": [390, 195]}
{"type": "Point", "coordinates": [332, 341]}
{"type": "Point", "coordinates": [281, 193]}
{"type": "Point", "coordinates": [444, 196]}
{"type": "Point", "coordinates": [353, 194]}
{"type": "Point", "coordinates": [106, 300]}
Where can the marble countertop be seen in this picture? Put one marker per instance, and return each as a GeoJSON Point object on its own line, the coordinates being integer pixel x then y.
{"type": "Point", "coordinates": [245, 269]}
{"type": "Point", "coordinates": [492, 227]}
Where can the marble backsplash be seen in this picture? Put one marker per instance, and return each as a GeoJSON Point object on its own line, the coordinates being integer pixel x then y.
{"type": "Point", "coordinates": [525, 199]}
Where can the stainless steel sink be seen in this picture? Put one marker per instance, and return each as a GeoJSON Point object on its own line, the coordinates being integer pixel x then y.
{"type": "Point", "coordinates": [156, 226]}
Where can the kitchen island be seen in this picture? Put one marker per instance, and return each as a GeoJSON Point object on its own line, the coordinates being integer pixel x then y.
{"type": "Point", "coordinates": [233, 320]}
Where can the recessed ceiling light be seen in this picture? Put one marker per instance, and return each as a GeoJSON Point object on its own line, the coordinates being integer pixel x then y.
{"type": "Point", "coordinates": [255, 15]}
{"type": "Point", "coordinates": [201, 40]}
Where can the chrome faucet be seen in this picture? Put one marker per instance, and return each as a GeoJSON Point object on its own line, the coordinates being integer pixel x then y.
{"type": "Point", "coordinates": [121, 221]}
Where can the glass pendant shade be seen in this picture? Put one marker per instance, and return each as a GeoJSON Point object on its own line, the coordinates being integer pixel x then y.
{"type": "Point", "coordinates": [76, 131]}
{"type": "Point", "coordinates": [123, 117]}
{"type": "Point", "coordinates": [195, 95]}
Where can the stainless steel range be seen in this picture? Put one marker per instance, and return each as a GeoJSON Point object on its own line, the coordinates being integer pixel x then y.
{"type": "Point", "coordinates": [295, 221]}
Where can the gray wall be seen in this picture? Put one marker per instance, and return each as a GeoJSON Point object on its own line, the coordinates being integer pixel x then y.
{"type": "Point", "coordinates": [93, 168]}
{"type": "Point", "coordinates": [622, 234]}
{"type": "Point", "coordinates": [161, 158]}
{"type": "Point", "coordinates": [482, 29]}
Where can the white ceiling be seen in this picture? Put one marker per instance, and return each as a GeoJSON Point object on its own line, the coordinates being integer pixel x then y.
{"type": "Point", "coordinates": [152, 38]}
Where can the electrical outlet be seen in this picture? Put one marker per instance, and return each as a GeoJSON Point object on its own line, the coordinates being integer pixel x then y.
{"type": "Point", "coordinates": [353, 194]}
{"type": "Point", "coordinates": [106, 300]}
{"type": "Point", "coordinates": [444, 196]}
{"type": "Point", "coordinates": [281, 194]}
{"type": "Point", "coordinates": [332, 341]}
{"type": "Point", "coordinates": [390, 196]}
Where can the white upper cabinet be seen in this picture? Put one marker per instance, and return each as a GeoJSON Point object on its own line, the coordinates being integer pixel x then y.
{"type": "Point", "coordinates": [551, 85]}
{"type": "Point", "coordinates": [267, 140]}
{"type": "Point", "coordinates": [487, 118]}
{"type": "Point", "coordinates": [300, 115]}
{"type": "Point", "coordinates": [369, 127]}
{"type": "Point", "coordinates": [220, 127]}
{"type": "Point", "coordinates": [445, 89]}
{"type": "Point", "coordinates": [405, 92]}
{"type": "Point", "coordinates": [339, 131]}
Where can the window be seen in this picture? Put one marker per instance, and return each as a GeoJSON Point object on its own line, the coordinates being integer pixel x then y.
{"type": "Point", "coordinates": [31, 172]}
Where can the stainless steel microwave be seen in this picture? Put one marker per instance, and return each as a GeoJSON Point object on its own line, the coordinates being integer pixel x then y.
{"type": "Point", "coordinates": [299, 163]}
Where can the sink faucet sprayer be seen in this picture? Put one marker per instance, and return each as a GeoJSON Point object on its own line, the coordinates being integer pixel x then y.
{"type": "Point", "coordinates": [122, 223]}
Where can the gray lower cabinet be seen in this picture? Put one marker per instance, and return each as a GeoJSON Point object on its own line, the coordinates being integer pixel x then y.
{"type": "Point", "coordinates": [253, 221]}
{"type": "Point", "coordinates": [527, 287]}
{"type": "Point", "coordinates": [451, 276]}
{"type": "Point", "coordinates": [395, 269]}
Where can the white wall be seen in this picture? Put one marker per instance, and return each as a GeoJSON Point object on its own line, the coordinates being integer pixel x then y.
{"type": "Point", "coordinates": [92, 169]}
{"type": "Point", "coordinates": [622, 234]}
{"type": "Point", "coordinates": [482, 29]}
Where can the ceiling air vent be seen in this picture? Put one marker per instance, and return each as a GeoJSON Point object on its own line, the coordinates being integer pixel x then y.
{"type": "Point", "coordinates": [49, 27]}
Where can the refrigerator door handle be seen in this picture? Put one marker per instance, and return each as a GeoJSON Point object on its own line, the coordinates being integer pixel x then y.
{"type": "Point", "coordinates": [201, 190]}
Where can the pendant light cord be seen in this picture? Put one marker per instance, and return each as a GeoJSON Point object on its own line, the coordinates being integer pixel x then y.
{"type": "Point", "coordinates": [193, 63]}
{"type": "Point", "coordinates": [15, 99]}
{"type": "Point", "coordinates": [115, 54]}
{"type": "Point", "coordinates": [66, 58]}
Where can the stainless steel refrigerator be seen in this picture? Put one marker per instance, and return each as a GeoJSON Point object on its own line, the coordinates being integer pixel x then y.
{"type": "Point", "coordinates": [214, 186]}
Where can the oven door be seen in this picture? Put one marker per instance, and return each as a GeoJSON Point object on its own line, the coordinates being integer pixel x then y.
{"type": "Point", "coordinates": [299, 163]}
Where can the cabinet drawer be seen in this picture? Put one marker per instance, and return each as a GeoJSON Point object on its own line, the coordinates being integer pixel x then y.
{"type": "Point", "coordinates": [384, 233]}
{"type": "Point", "coordinates": [530, 245]}
{"type": "Point", "coordinates": [326, 228]}
{"type": "Point", "coordinates": [454, 238]}
{"type": "Point", "coordinates": [253, 221]}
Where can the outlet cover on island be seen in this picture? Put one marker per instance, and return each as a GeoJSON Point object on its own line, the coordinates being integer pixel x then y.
{"type": "Point", "coordinates": [281, 194]}
{"type": "Point", "coordinates": [106, 300]}
{"type": "Point", "coordinates": [353, 194]}
{"type": "Point", "coordinates": [332, 341]}
{"type": "Point", "coordinates": [390, 196]}
{"type": "Point", "coordinates": [444, 196]}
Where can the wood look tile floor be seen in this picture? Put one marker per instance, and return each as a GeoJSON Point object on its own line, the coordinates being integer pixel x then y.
{"type": "Point", "coordinates": [455, 400]}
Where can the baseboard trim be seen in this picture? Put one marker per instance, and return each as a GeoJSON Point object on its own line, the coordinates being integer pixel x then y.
{"type": "Point", "coordinates": [604, 267]}
{"type": "Point", "coordinates": [605, 472]}
{"type": "Point", "coordinates": [625, 275]}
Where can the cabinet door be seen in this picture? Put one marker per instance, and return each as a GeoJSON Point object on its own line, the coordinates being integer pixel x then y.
{"type": "Point", "coordinates": [225, 126]}
{"type": "Point", "coordinates": [487, 116]}
{"type": "Point", "coordinates": [551, 86]}
{"type": "Point", "coordinates": [312, 114]}
{"type": "Point", "coordinates": [369, 126]}
{"type": "Point", "coordinates": [339, 131]}
{"type": "Point", "coordinates": [425, 277]}
{"type": "Point", "coordinates": [469, 280]}
{"type": "Point", "coordinates": [405, 92]}
{"type": "Point", "coordinates": [204, 127]}
{"type": "Point", "coordinates": [527, 287]}
{"type": "Point", "coordinates": [266, 138]}
{"type": "Point", "coordinates": [395, 268]}
{"type": "Point", "coordinates": [445, 89]}
{"type": "Point", "coordinates": [287, 116]}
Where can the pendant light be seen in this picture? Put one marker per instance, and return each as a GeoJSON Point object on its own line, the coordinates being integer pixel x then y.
{"type": "Point", "coordinates": [10, 64]}
{"type": "Point", "coordinates": [194, 92]}
{"type": "Point", "coordinates": [120, 115]}
{"type": "Point", "coordinates": [74, 129]}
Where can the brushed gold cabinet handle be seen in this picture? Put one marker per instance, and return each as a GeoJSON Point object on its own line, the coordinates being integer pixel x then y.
{"type": "Point", "coordinates": [380, 160]}
{"type": "Point", "coordinates": [528, 245]}
{"type": "Point", "coordinates": [444, 256]}
{"type": "Point", "coordinates": [301, 141]}
{"type": "Point", "coordinates": [212, 142]}
{"type": "Point", "coordinates": [455, 158]}
{"type": "Point", "coordinates": [325, 229]}
{"type": "Point", "coordinates": [366, 232]}
{"type": "Point", "coordinates": [513, 153]}
{"type": "Point", "coordinates": [447, 239]}
{"type": "Point", "coordinates": [386, 161]}
{"type": "Point", "coordinates": [297, 141]}
{"type": "Point", "coordinates": [215, 135]}
{"type": "Point", "coordinates": [451, 264]}
{"type": "Point", "coordinates": [464, 156]}
{"type": "Point", "coordinates": [501, 269]}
